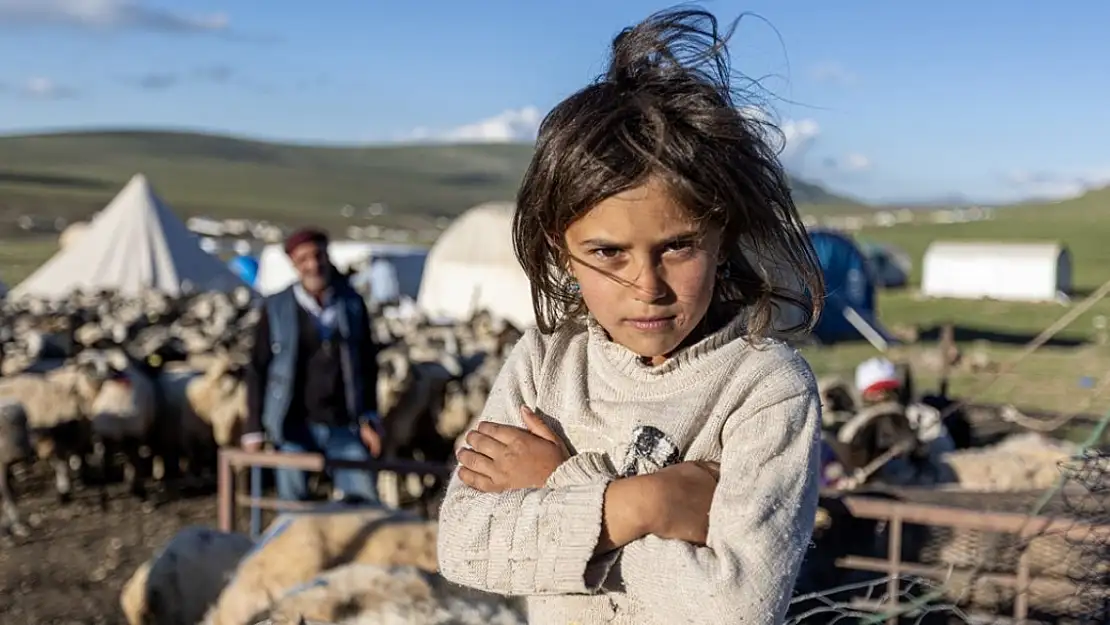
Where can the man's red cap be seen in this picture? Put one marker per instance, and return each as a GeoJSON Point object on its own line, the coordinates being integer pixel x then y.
{"type": "Point", "coordinates": [305, 235]}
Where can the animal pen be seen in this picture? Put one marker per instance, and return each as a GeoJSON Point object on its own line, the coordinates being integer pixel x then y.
{"type": "Point", "coordinates": [1008, 557]}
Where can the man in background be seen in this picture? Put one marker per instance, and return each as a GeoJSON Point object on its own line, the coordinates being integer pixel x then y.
{"type": "Point", "coordinates": [312, 379]}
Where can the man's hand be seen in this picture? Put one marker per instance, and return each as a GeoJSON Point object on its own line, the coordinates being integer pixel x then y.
{"type": "Point", "coordinates": [252, 444]}
{"type": "Point", "coordinates": [371, 437]}
{"type": "Point", "coordinates": [505, 457]}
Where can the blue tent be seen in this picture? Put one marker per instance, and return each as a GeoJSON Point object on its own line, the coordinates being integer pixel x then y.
{"type": "Point", "coordinates": [849, 282]}
{"type": "Point", "coordinates": [246, 267]}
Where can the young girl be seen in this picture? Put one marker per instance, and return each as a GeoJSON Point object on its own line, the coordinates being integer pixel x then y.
{"type": "Point", "coordinates": [648, 454]}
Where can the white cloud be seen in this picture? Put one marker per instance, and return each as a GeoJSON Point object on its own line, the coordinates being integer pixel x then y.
{"type": "Point", "coordinates": [514, 125]}
{"type": "Point", "coordinates": [832, 72]}
{"type": "Point", "coordinates": [41, 88]}
{"type": "Point", "coordinates": [799, 136]}
{"type": "Point", "coordinates": [795, 136]}
{"type": "Point", "coordinates": [107, 15]}
{"type": "Point", "coordinates": [521, 125]}
{"type": "Point", "coordinates": [1045, 185]}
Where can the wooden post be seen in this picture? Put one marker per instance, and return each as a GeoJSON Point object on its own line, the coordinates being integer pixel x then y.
{"type": "Point", "coordinates": [225, 497]}
{"type": "Point", "coordinates": [894, 547]}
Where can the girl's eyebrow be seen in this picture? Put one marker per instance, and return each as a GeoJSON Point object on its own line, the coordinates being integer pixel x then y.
{"type": "Point", "coordinates": [682, 237]}
{"type": "Point", "coordinates": [595, 242]}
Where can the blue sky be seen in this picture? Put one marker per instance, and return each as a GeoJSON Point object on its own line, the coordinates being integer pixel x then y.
{"type": "Point", "coordinates": [990, 99]}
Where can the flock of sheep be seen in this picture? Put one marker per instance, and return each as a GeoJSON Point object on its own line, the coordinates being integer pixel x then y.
{"type": "Point", "coordinates": [157, 382]}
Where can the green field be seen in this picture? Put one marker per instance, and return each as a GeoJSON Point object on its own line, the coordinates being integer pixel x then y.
{"type": "Point", "coordinates": [1051, 378]}
{"type": "Point", "coordinates": [71, 175]}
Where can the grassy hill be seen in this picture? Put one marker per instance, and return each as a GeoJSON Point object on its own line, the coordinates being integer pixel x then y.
{"type": "Point", "coordinates": [73, 174]}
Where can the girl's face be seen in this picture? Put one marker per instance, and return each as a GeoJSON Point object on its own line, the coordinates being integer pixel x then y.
{"type": "Point", "coordinates": [645, 270]}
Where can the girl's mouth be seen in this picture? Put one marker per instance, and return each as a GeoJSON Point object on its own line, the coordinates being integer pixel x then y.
{"type": "Point", "coordinates": [650, 324]}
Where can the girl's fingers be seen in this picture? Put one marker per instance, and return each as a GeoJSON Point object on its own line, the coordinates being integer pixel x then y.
{"type": "Point", "coordinates": [474, 461]}
{"type": "Point", "coordinates": [485, 444]}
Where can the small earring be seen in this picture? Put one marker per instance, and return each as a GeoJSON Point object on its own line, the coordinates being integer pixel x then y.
{"type": "Point", "coordinates": [573, 287]}
{"type": "Point", "coordinates": [725, 272]}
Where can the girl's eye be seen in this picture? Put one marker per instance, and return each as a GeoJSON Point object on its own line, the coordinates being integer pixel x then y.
{"type": "Point", "coordinates": [606, 253]}
{"type": "Point", "coordinates": [680, 246]}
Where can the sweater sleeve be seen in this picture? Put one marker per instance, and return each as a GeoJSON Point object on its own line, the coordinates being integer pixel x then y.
{"type": "Point", "coordinates": [532, 541]}
{"type": "Point", "coordinates": [760, 520]}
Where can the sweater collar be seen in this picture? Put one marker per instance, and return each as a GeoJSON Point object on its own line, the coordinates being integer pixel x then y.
{"type": "Point", "coordinates": [692, 358]}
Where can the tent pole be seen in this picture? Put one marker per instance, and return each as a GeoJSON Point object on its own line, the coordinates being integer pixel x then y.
{"type": "Point", "coordinates": [868, 332]}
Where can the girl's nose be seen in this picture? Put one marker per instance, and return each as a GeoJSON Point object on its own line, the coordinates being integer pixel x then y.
{"type": "Point", "coordinates": [649, 284]}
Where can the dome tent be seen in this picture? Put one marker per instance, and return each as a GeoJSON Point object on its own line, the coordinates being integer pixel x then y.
{"type": "Point", "coordinates": [850, 285]}
{"type": "Point", "coordinates": [472, 266]}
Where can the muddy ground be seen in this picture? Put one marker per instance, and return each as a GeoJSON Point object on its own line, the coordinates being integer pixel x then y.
{"type": "Point", "coordinates": [70, 569]}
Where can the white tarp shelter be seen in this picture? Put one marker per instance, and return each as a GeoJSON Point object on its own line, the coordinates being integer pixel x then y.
{"type": "Point", "coordinates": [136, 243]}
{"type": "Point", "coordinates": [1003, 271]}
{"type": "Point", "coordinates": [472, 267]}
{"type": "Point", "coordinates": [275, 271]}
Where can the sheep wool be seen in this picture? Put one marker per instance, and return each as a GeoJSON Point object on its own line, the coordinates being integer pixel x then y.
{"type": "Point", "coordinates": [220, 400]}
{"type": "Point", "coordinates": [50, 399]}
{"type": "Point", "coordinates": [300, 546]}
{"type": "Point", "coordinates": [1021, 462]}
{"type": "Point", "coordinates": [752, 407]}
{"type": "Point", "coordinates": [124, 408]}
{"type": "Point", "coordinates": [362, 594]}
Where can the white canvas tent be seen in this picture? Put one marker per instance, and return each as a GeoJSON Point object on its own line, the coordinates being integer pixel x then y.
{"type": "Point", "coordinates": [472, 266]}
{"type": "Point", "coordinates": [1004, 271]}
{"type": "Point", "coordinates": [135, 243]}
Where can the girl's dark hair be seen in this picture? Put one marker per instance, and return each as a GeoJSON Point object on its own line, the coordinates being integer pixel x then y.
{"type": "Point", "coordinates": [665, 109]}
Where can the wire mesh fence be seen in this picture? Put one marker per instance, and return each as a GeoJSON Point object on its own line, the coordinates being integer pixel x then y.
{"type": "Point", "coordinates": [1052, 565]}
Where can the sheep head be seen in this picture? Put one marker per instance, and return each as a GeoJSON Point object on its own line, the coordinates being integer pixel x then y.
{"type": "Point", "coordinates": [230, 416]}
{"type": "Point", "coordinates": [395, 376]}
{"type": "Point", "coordinates": [15, 438]}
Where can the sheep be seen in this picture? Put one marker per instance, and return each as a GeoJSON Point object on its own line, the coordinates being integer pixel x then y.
{"type": "Point", "coordinates": [180, 583]}
{"type": "Point", "coordinates": [411, 398]}
{"type": "Point", "coordinates": [219, 397]}
{"type": "Point", "coordinates": [200, 411]}
{"type": "Point", "coordinates": [298, 547]}
{"type": "Point", "coordinates": [122, 411]}
{"type": "Point", "coordinates": [54, 403]}
{"type": "Point", "coordinates": [15, 447]}
{"type": "Point", "coordinates": [366, 594]}
{"type": "Point", "coordinates": [1026, 461]}
{"type": "Point", "coordinates": [144, 324]}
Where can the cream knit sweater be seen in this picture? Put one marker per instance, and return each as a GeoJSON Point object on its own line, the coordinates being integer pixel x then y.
{"type": "Point", "coordinates": [754, 409]}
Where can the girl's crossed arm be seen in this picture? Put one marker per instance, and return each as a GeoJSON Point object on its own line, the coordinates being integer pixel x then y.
{"type": "Point", "coordinates": [760, 520]}
{"type": "Point", "coordinates": [532, 541]}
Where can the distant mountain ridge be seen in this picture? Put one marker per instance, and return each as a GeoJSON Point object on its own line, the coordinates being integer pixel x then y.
{"type": "Point", "coordinates": [201, 173]}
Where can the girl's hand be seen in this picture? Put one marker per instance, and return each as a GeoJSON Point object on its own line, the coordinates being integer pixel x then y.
{"type": "Point", "coordinates": [505, 457]}
{"type": "Point", "coordinates": [683, 493]}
